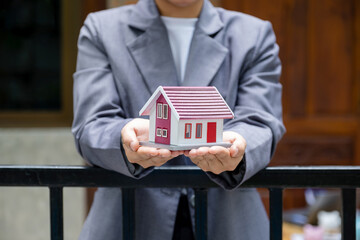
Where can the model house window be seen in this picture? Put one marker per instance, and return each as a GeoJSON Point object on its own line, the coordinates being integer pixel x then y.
{"type": "Point", "coordinates": [158, 132]}
{"type": "Point", "coordinates": [165, 111]}
{"type": "Point", "coordinates": [159, 110]}
{"type": "Point", "coordinates": [188, 130]}
{"type": "Point", "coordinates": [199, 130]}
{"type": "Point", "coordinates": [164, 133]}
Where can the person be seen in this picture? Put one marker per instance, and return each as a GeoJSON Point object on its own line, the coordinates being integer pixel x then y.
{"type": "Point", "coordinates": [124, 54]}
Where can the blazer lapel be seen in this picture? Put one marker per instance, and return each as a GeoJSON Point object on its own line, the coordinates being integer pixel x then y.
{"type": "Point", "coordinates": [205, 58]}
{"type": "Point", "coordinates": [151, 51]}
{"type": "Point", "coordinates": [206, 54]}
{"type": "Point", "coordinates": [150, 48]}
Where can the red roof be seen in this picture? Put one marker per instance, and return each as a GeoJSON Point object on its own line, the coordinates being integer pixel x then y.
{"type": "Point", "coordinates": [196, 102]}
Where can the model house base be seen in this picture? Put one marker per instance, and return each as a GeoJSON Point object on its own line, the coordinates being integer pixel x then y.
{"type": "Point", "coordinates": [183, 118]}
{"type": "Point", "coordinates": [183, 147]}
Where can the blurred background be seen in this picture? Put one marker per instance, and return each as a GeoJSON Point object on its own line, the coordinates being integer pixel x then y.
{"type": "Point", "coordinates": [319, 47]}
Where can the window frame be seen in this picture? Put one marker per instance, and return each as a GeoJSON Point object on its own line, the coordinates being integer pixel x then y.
{"type": "Point", "coordinates": [190, 125]}
{"type": "Point", "coordinates": [165, 106]}
{"type": "Point", "coordinates": [196, 130]}
{"type": "Point", "coordinates": [158, 132]}
{"type": "Point", "coordinates": [159, 109]}
{"type": "Point", "coordinates": [164, 131]}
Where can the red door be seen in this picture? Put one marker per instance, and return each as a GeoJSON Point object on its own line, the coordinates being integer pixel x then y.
{"type": "Point", "coordinates": [211, 132]}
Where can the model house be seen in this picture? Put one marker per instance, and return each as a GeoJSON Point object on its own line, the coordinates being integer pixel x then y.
{"type": "Point", "coordinates": [186, 117]}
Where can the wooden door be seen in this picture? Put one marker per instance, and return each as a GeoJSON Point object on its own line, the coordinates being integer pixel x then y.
{"type": "Point", "coordinates": [320, 51]}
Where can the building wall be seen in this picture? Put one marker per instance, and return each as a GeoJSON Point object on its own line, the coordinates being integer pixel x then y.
{"type": "Point", "coordinates": [24, 211]}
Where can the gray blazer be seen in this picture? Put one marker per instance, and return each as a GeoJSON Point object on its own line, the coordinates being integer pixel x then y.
{"type": "Point", "coordinates": [124, 55]}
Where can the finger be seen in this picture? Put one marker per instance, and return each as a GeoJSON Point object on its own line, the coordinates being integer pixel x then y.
{"type": "Point", "coordinates": [187, 153]}
{"type": "Point", "coordinates": [234, 151]}
{"type": "Point", "coordinates": [165, 153]}
{"type": "Point", "coordinates": [129, 138]}
{"type": "Point", "coordinates": [199, 151]}
{"type": "Point", "coordinates": [149, 157]}
{"type": "Point", "coordinates": [141, 128]}
{"type": "Point", "coordinates": [203, 151]}
{"type": "Point", "coordinates": [220, 152]}
{"type": "Point", "coordinates": [147, 152]}
{"type": "Point", "coordinates": [176, 153]}
{"type": "Point", "coordinates": [216, 150]}
{"type": "Point", "coordinates": [237, 148]}
{"type": "Point", "coordinates": [192, 153]}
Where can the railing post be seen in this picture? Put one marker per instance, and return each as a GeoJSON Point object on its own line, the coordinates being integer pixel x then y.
{"type": "Point", "coordinates": [128, 205]}
{"type": "Point", "coordinates": [56, 213]}
{"type": "Point", "coordinates": [201, 231]}
{"type": "Point", "coordinates": [349, 214]}
{"type": "Point", "coordinates": [276, 208]}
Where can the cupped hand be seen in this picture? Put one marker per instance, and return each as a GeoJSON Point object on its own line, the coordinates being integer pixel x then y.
{"type": "Point", "coordinates": [138, 130]}
{"type": "Point", "coordinates": [218, 159]}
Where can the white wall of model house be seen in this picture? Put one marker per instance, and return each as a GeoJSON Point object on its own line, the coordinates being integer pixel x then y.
{"type": "Point", "coordinates": [174, 128]}
{"type": "Point", "coordinates": [152, 119]}
{"type": "Point", "coordinates": [193, 140]}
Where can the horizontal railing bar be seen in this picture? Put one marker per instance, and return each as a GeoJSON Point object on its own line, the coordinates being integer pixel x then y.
{"type": "Point", "coordinates": [183, 176]}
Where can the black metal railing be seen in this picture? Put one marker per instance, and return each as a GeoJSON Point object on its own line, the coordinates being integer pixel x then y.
{"type": "Point", "coordinates": [274, 178]}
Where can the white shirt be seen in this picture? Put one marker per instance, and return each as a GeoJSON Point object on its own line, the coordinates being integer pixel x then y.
{"type": "Point", "coordinates": [180, 32]}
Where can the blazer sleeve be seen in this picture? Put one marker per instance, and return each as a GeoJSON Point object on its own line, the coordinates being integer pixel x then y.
{"type": "Point", "coordinates": [258, 110]}
{"type": "Point", "coordinates": [99, 114]}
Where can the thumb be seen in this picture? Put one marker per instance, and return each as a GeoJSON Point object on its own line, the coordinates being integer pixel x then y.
{"type": "Point", "coordinates": [238, 147]}
{"type": "Point", "coordinates": [234, 150]}
{"type": "Point", "coordinates": [129, 138]}
{"type": "Point", "coordinates": [134, 145]}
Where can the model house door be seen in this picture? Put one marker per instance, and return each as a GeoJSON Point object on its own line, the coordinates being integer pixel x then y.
{"type": "Point", "coordinates": [163, 120]}
{"type": "Point", "coordinates": [211, 132]}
